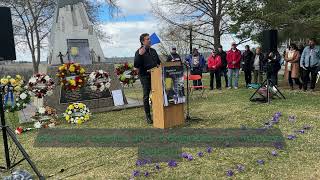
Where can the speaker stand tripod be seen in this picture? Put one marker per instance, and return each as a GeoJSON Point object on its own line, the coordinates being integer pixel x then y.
{"type": "Point", "coordinates": [268, 83]}
{"type": "Point", "coordinates": [188, 117]}
{"type": "Point", "coordinates": [8, 133]}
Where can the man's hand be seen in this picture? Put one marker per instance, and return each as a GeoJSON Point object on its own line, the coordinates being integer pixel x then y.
{"type": "Point", "coordinates": [136, 69]}
{"type": "Point", "coordinates": [142, 50]}
{"type": "Point", "coordinates": [233, 62]}
{"type": "Point", "coordinates": [214, 67]}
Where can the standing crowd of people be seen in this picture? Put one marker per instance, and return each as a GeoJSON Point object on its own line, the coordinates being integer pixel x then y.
{"type": "Point", "coordinates": [300, 63]}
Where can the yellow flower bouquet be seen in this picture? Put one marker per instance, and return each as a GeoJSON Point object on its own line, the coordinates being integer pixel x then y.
{"type": "Point", "coordinates": [72, 76]}
{"type": "Point", "coordinates": [77, 113]}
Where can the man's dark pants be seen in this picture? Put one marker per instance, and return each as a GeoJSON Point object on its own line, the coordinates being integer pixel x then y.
{"type": "Point", "coordinates": [306, 73]}
{"type": "Point", "coordinates": [224, 72]}
{"type": "Point", "coordinates": [248, 76]}
{"type": "Point", "coordinates": [197, 71]}
{"type": "Point", "coordinates": [146, 86]}
{"type": "Point", "coordinates": [218, 78]}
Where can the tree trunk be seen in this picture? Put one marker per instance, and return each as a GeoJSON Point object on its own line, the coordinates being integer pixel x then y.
{"type": "Point", "coordinates": [217, 34]}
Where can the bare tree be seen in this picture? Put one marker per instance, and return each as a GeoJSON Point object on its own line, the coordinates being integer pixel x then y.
{"type": "Point", "coordinates": [209, 19]}
{"type": "Point", "coordinates": [31, 24]}
{"type": "Point", "coordinates": [32, 20]}
{"type": "Point", "coordinates": [175, 36]}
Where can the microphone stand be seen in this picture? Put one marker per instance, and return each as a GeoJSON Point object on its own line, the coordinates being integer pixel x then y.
{"type": "Point", "coordinates": [188, 117]}
{"type": "Point", "coordinates": [188, 94]}
{"type": "Point", "coordinates": [7, 134]}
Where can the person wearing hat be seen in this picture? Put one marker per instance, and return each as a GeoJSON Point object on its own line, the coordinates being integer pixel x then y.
{"type": "Point", "coordinates": [196, 62]}
{"type": "Point", "coordinates": [233, 59]}
{"type": "Point", "coordinates": [174, 56]}
{"type": "Point", "coordinates": [214, 66]}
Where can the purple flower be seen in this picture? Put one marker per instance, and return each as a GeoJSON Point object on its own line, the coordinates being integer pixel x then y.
{"type": "Point", "coordinates": [200, 154]}
{"type": "Point", "coordinates": [229, 173]}
{"type": "Point", "coordinates": [275, 119]}
{"type": "Point", "coordinates": [209, 149]}
{"type": "Point", "coordinates": [260, 161]}
{"type": "Point", "coordinates": [278, 114]}
{"type": "Point", "coordinates": [291, 137]}
{"type": "Point", "coordinates": [240, 167]}
{"type": "Point", "coordinates": [292, 118]}
{"type": "Point", "coordinates": [278, 145]}
{"type": "Point", "coordinates": [306, 127]}
{"type": "Point", "coordinates": [274, 153]}
{"type": "Point", "coordinates": [157, 167]}
{"type": "Point", "coordinates": [184, 155]}
{"type": "Point", "coordinates": [172, 163]}
{"type": "Point", "coordinates": [190, 158]}
{"type": "Point", "coordinates": [135, 173]}
{"type": "Point", "coordinates": [146, 174]}
{"type": "Point", "coordinates": [301, 131]}
{"type": "Point", "coordinates": [139, 163]}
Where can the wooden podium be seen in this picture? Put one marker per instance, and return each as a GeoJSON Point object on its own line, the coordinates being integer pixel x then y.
{"type": "Point", "coordinates": [164, 116]}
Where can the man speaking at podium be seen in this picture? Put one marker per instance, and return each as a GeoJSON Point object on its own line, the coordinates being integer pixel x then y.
{"type": "Point", "coordinates": [145, 59]}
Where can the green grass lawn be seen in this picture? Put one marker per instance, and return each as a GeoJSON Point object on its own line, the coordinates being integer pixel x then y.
{"type": "Point", "coordinates": [229, 109]}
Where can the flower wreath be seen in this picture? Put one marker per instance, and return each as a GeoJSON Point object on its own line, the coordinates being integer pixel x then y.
{"type": "Point", "coordinates": [72, 76]}
{"type": "Point", "coordinates": [40, 85]}
{"type": "Point", "coordinates": [16, 83]}
{"type": "Point", "coordinates": [126, 73]}
{"type": "Point", "coordinates": [77, 113]}
{"type": "Point", "coordinates": [21, 101]}
{"type": "Point", "coordinates": [99, 80]}
{"type": "Point", "coordinates": [21, 95]}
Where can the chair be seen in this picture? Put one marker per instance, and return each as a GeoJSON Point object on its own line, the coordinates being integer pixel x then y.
{"type": "Point", "coordinates": [192, 88]}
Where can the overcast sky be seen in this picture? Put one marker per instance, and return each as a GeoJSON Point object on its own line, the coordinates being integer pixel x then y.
{"type": "Point", "coordinates": [135, 18]}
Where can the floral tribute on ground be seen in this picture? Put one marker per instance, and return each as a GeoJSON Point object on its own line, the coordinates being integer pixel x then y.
{"type": "Point", "coordinates": [126, 73]}
{"type": "Point", "coordinates": [72, 76]}
{"type": "Point", "coordinates": [99, 81]}
{"type": "Point", "coordinates": [77, 113]}
{"type": "Point", "coordinates": [40, 85]}
{"type": "Point", "coordinates": [16, 95]}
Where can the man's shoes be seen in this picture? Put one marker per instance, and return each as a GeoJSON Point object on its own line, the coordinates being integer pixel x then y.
{"type": "Point", "coordinates": [235, 87]}
{"type": "Point", "coordinates": [228, 87]}
{"type": "Point", "coordinates": [149, 120]}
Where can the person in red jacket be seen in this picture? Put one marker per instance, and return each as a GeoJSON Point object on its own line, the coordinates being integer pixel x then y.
{"type": "Point", "coordinates": [214, 66]}
{"type": "Point", "coordinates": [233, 59]}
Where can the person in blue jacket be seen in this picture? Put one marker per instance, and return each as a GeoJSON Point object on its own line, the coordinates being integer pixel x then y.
{"type": "Point", "coordinates": [310, 63]}
{"type": "Point", "coordinates": [196, 62]}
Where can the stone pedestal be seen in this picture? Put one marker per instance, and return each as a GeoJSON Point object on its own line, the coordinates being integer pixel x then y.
{"type": "Point", "coordinates": [96, 101]}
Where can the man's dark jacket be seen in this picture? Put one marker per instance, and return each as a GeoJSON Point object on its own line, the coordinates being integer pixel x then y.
{"type": "Point", "coordinates": [147, 61]}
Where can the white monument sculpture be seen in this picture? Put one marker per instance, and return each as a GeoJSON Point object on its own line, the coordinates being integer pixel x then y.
{"type": "Point", "coordinates": [72, 38]}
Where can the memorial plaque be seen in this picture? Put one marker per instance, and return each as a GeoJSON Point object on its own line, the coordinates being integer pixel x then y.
{"type": "Point", "coordinates": [83, 94]}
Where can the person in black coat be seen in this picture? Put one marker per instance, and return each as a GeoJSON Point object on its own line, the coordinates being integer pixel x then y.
{"type": "Point", "coordinates": [273, 66]}
{"type": "Point", "coordinates": [247, 66]}
{"type": "Point", "coordinates": [145, 59]}
{"type": "Point", "coordinates": [224, 69]}
{"type": "Point", "coordinates": [174, 56]}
